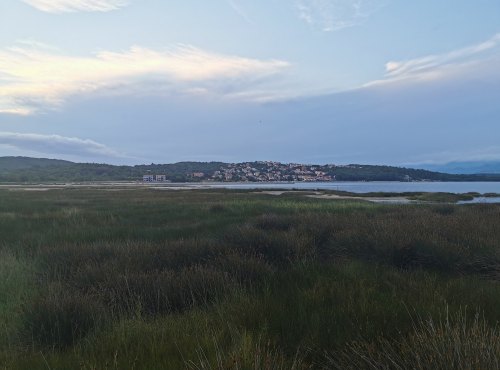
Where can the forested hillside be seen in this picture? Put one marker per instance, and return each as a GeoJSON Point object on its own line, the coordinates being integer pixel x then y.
{"type": "Point", "coordinates": [35, 170]}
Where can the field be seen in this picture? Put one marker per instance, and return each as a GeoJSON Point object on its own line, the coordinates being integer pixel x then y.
{"type": "Point", "coordinates": [215, 279]}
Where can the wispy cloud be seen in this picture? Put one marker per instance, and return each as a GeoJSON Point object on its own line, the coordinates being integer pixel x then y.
{"type": "Point", "coordinates": [39, 78]}
{"type": "Point", "coordinates": [333, 15]}
{"type": "Point", "coordinates": [238, 10]}
{"type": "Point", "coordinates": [70, 6]}
{"type": "Point", "coordinates": [438, 66]}
{"type": "Point", "coordinates": [56, 144]}
{"type": "Point", "coordinates": [419, 65]}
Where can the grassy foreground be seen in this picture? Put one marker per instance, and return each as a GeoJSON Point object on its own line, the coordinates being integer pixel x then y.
{"type": "Point", "coordinates": [144, 279]}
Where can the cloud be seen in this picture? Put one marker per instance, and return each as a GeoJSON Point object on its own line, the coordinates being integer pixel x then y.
{"type": "Point", "coordinates": [34, 78]}
{"type": "Point", "coordinates": [238, 10]}
{"type": "Point", "coordinates": [70, 6]}
{"type": "Point", "coordinates": [333, 15]}
{"type": "Point", "coordinates": [55, 144]}
{"type": "Point", "coordinates": [438, 66]}
{"type": "Point", "coordinates": [419, 65]}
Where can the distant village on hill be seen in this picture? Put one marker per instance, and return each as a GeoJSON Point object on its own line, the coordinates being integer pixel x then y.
{"type": "Point", "coordinates": [259, 172]}
{"type": "Point", "coordinates": [269, 171]}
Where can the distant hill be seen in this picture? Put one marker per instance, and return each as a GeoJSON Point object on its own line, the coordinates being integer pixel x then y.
{"type": "Point", "coordinates": [33, 170]}
{"type": "Point", "coordinates": [480, 167]}
{"type": "Point", "coordinates": [21, 163]}
{"type": "Point", "coordinates": [42, 170]}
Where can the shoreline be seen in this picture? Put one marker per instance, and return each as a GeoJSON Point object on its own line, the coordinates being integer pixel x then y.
{"type": "Point", "coordinates": [390, 196]}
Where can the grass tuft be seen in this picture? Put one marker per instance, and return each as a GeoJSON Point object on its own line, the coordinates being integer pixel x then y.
{"type": "Point", "coordinates": [450, 343]}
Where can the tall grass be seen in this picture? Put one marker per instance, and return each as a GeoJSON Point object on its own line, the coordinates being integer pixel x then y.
{"type": "Point", "coordinates": [16, 289]}
{"type": "Point", "coordinates": [247, 356]}
{"type": "Point", "coordinates": [215, 279]}
{"type": "Point", "coordinates": [458, 343]}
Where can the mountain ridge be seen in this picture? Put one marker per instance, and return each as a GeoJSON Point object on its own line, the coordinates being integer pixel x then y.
{"type": "Point", "coordinates": [464, 167]}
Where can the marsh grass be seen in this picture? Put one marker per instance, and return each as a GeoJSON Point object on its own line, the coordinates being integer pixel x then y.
{"type": "Point", "coordinates": [431, 197]}
{"type": "Point", "coordinates": [443, 197]}
{"type": "Point", "coordinates": [16, 289]}
{"type": "Point", "coordinates": [246, 355]}
{"type": "Point", "coordinates": [457, 343]}
{"type": "Point", "coordinates": [215, 279]}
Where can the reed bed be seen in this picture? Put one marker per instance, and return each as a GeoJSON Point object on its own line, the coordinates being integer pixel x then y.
{"type": "Point", "coordinates": [214, 279]}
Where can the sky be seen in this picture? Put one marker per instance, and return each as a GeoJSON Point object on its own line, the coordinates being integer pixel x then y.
{"type": "Point", "coordinates": [311, 81]}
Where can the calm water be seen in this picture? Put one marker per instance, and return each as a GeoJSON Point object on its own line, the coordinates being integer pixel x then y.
{"type": "Point", "coordinates": [481, 200]}
{"type": "Point", "coordinates": [367, 187]}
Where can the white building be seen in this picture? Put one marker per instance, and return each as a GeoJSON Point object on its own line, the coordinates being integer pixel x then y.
{"type": "Point", "coordinates": [154, 178]}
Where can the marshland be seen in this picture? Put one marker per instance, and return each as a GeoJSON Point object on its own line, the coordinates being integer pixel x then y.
{"type": "Point", "coordinates": [237, 279]}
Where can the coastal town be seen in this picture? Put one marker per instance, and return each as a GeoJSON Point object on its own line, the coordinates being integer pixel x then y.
{"type": "Point", "coordinates": [272, 171]}
{"type": "Point", "coordinates": [262, 171]}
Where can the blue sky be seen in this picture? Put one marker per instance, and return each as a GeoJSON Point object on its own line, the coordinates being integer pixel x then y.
{"type": "Point", "coordinates": [316, 81]}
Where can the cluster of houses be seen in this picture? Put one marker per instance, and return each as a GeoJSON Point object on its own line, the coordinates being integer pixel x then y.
{"type": "Point", "coordinates": [263, 171]}
{"type": "Point", "coordinates": [271, 171]}
{"type": "Point", "coordinates": [154, 178]}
